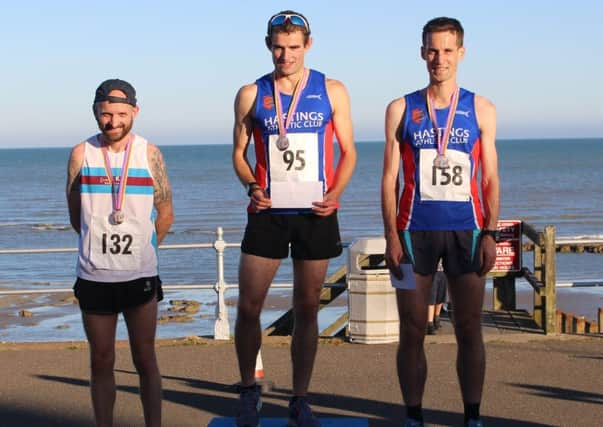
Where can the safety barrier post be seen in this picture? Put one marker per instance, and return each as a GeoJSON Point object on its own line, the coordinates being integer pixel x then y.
{"type": "Point", "coordinates": [539, 299]}
{"type": "Point", "coordinates": [221, 326]}
{"type": "Point", "coordinates": [550, 279]}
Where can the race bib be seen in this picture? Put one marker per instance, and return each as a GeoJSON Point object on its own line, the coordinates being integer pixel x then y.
{"type": "Point", "coordinates": [452, 183]}
{"type": "Point", "coordinates": [115, 247]}
{"type": "Point", "coordinates": [298, 162]}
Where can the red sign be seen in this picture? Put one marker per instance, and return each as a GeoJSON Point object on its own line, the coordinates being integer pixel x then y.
{"type": "Point", "coordinates": [508, 249]}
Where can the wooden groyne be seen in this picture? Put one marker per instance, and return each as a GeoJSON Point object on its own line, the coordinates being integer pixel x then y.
{"type": "Point", "coordinates": [571, 246]}
{"type": "Point", "coordinates": [568, 323]}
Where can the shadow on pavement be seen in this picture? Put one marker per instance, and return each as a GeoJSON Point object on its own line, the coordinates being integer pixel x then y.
{"type": "Point", "coordinates": [33, 417]}
{"type": "Point", "coordinates": [561, 393]}
{"type": "Point", "coordinates": [221, 400]}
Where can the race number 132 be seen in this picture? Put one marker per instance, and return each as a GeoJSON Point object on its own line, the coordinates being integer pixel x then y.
{"type": "Point", "coordinates": [116, 244]}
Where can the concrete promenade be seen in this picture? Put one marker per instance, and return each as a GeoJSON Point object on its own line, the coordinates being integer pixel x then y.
{"type": "Point", "coordinates": [531, 380]}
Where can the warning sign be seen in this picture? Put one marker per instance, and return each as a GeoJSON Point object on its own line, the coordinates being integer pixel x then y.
{"type": "Point", "coordinates": [508, 249]}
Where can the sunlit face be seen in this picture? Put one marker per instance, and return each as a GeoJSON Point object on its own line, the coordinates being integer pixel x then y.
{"type": "Point", "coordinates": [288, 51]}
{"type": "Point", "coordinates": [115, 119]}
{"type": "Point", "coordinates": [442, 54]}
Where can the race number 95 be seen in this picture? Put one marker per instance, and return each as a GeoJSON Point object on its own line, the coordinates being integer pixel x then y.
{"type": "Point", "coordinates": [294, 159]}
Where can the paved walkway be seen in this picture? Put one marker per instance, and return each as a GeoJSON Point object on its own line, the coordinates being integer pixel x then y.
{"type": "Point", "coordinates": [531, 380]}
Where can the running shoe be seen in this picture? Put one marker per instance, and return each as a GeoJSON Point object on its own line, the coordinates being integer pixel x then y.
{"type": "Point", "coordinates": [300, 414]}
{"type": "Point", "coordinates": [250, 403]}
{"type": "Point", "coordinates": [472, 422]}
{"type": "Point", "coordinates": [411, 422]}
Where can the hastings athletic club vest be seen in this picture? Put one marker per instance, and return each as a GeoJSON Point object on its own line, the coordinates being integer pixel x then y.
{"type": "Point", "coordinates": [309, 156]}
{"type": "Point", "coordinates": [127, 251]}
{"type": "Point", "coordinates": [434, 198]}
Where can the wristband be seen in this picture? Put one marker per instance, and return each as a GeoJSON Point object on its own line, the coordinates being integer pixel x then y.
{"type": "Point", "coordinates": [495, 234]}
{"type": "Point", "coordinates": [251, 187]}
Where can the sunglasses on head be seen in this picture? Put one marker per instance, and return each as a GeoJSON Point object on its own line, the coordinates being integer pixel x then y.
{"type": "Point", "coordinates": [293, 18]}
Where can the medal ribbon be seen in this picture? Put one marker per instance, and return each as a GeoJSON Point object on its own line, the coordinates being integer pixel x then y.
{"type": "Point", "coordinates": [119, 195]}
{"type": "Point", "coordinates": [299, 87]}
{"type": "Point", "coordinates": [454, 102]}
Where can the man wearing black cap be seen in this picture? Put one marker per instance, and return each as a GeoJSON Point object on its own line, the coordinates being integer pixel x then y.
{"type": "Point", "coordinates": [120, 204]}
{"type": "Point", "coordinates": [294, 113]}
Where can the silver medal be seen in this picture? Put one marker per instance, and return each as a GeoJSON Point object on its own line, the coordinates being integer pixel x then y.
{"type": "Point", "coordinates": [282, 142]}
{"type": "Point", "coordinates": [440, 161]}
{"type": "Point", "coordinates": [117, 217]}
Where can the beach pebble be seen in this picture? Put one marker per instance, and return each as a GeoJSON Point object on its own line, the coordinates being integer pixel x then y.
{"type": "Point", "coordinates": [193, 339]}
{"type": "Point", "coordinates": [25, 313]}
{"type": "Point", "coordinates": [184, 306]}
{"type": "Point", "coordinates": [70, 299]}
{"type": "Point", "coordinates": [190, 309]}
{"type": "Point", "coordinates": [176, 318]}
{"type": "Point", "coordinates": [184, 302]}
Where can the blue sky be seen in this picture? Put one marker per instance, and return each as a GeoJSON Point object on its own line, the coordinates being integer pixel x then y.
{"type": "Point", "coordinates": [540, 62]}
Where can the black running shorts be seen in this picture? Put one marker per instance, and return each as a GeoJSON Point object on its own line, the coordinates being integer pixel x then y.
{"type": "Point", "coordinates": [112, 298]}
{"type": "Point", "coordinates": [458, 250]}
{"type": "Point", "coordinates": [311, 236]}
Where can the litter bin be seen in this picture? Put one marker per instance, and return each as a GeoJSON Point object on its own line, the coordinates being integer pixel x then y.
{"type": "Point", "coordinates": [371, 298]}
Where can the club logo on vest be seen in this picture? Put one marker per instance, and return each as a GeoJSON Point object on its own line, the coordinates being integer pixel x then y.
{"type": "Point", "coordinates": [268, 102]}
{"type": "Point", "coordinates": [417, 115]}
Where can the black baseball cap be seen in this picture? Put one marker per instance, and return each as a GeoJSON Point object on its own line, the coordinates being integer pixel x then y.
{"type": "Point", "coordinates": [105, 88]}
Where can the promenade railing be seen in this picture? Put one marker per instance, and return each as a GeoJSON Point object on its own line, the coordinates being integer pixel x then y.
{"type": "Point", "coordinates": [542, 278]}
{"type": "Point", "coordinates": [221, 324]}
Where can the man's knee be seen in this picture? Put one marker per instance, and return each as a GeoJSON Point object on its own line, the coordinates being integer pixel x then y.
{"type": "Point", "coordinates": [145, 362]}
{"type": "Point", "coordinates": [249, 309]}
{"type": "Point", "coordinates": [412, 328]}
{"type": "Point", "coordinates": [102, 361]}
{"type": "Point", "coordinates": [468, 330]}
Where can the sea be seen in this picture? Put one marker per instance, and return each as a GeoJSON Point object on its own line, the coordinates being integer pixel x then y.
{"type": "Point", "coordinates": [543, 182]}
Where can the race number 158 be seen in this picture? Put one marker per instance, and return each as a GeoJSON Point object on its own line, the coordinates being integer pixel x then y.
{"type": "Point", "coordinates": [442, 176]}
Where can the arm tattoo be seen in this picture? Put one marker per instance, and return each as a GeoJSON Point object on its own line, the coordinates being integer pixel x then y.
{"type": "Point", "coordinates": [73, 193]}
{"type": "Point", "coordinates": [162, 188]}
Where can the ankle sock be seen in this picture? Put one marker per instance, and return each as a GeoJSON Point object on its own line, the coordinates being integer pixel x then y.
{"type": "Point", "coordinates": [415, 412]}
{"type": "Point", "coordinates": [471, 411]}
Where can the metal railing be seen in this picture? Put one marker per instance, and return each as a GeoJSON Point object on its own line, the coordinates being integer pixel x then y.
{"type": "Point", "coordinates": [542, 279]}
{"type": "Point", "coordinates": [221, 324]}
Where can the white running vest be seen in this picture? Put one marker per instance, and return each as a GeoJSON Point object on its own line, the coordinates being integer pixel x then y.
{"type": "Point", "coordinates": [128, 251]}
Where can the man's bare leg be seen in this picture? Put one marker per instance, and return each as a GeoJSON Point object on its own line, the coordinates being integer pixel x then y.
{"type": "Point", "coordinates": [100, 331]}
{"type": "Point", "coordinates": [309, 276]}
{"type": "Point", "coordinates": [142, 324]}
{"type": "Point", "coordinates": [411, 361]}
{"type": "Point", "coordinates": [255, 276]}
{"type": "Point", "coordinates": [467, 293]}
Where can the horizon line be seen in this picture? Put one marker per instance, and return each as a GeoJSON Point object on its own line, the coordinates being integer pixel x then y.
{"type": "Point", "coordinates": [371, 141]}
